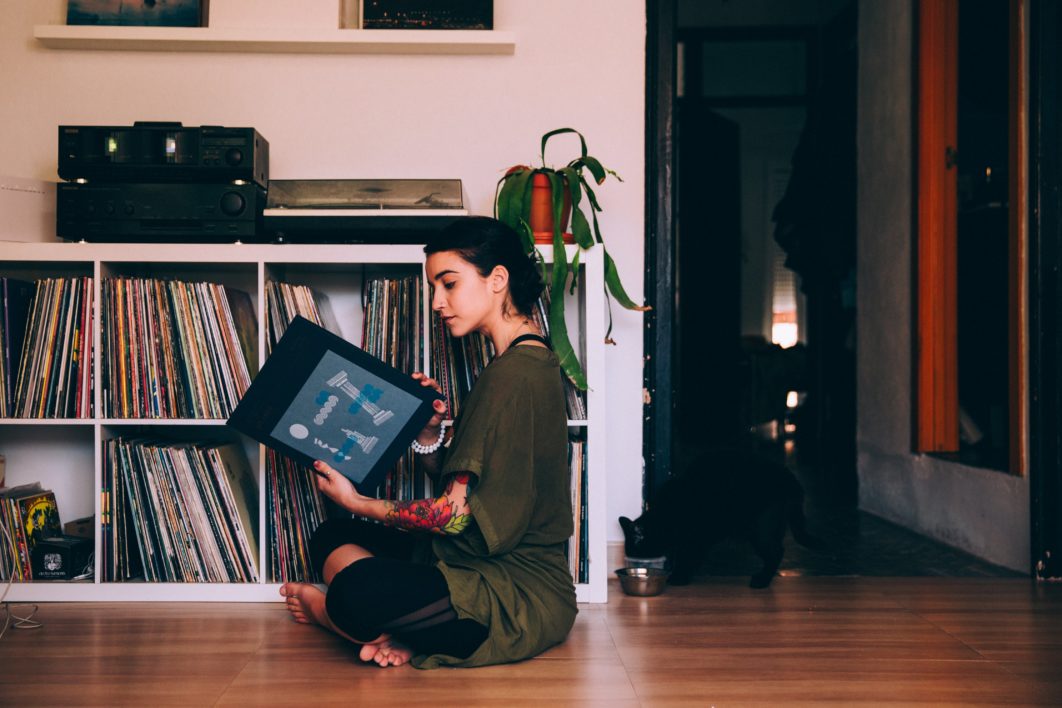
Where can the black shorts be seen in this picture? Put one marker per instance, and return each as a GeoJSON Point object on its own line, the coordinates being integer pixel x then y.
{"type": "Point", "coordinates": [390, 593]}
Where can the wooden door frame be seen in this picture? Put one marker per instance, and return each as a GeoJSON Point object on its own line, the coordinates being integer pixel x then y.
{"type": "Point", "coordinates": [936, 253]}
{"type": "Point", "coordinates": [659, 333]}
{"type": "Point", "coordinates": [936, 392]}
{"type": "Point", "coordinates": [1045, 287]}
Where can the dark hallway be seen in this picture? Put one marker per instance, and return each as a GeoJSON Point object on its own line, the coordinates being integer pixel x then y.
{"type": "Point", "coordinates": [822, 236]}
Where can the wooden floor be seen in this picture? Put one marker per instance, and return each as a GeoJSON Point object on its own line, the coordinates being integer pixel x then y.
{"type": "Point", "coordinates": [808, 640]}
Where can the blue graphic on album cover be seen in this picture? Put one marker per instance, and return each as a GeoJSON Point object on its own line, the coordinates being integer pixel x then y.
{"type": "Point", "coordinates": [345, 416]}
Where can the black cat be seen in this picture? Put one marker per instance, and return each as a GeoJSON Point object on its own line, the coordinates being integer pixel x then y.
{"type": "Point", "coordinates": [723, 494]}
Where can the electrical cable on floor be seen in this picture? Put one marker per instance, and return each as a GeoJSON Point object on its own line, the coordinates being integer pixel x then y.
{"type": "Point", "coordinates": [21, 622]}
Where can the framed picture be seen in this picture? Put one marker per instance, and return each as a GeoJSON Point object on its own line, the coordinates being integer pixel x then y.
{"type": "Point", "coordinates": [151, 13]}
{"type": "Point", "coordinates": [319, 397]}
{"type": "Point", "coordinates": [428, 14]}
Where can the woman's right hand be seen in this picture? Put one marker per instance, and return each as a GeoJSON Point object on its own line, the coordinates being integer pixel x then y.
{"type": "Point", "coordinates": [430, 433]}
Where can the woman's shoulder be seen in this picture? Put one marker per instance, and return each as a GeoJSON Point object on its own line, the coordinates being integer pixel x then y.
{"type": "Point", "coordinates": [524, 363]}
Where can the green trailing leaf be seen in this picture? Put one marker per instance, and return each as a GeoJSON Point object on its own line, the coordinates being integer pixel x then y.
{"type": "Point", "coordinates": [580, 227]}
{"type": "Point", "coordinates": [608, 308]}
{"type": "Point", "coordinates": [556, 191]}
{"type": "Point", "coordinates": [612, 280]}
{"type": "Point", "coordinates": [575, 270]}
{"type": "Point", "coordinates": [539, 260]}
{"type": "Point", "coordinates": [514, 198]}
{"type": "Point", "coordinates": [595, 168]}
{"type": "Point", "coordinates": [558, 328]}
{"type": "Point", "coordinates": [524, 229]}
{"type": "Point", "coordinates": [503, 183]}
{"type": "Point", "coordinates": [560, 131]}
{"type": "Point", "coordinates": [597, 229]}
{"type": "Point", "coordinates": [590, 195]}
{"type": "Point", "coordinates": [508, 186]}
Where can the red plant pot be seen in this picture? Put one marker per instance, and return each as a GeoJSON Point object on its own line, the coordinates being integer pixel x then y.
{"type": "Point", "coordinates": [542, 211]}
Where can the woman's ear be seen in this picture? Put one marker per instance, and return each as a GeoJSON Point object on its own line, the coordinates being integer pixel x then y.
{"type": "Point", "coordinates": [499, 278]}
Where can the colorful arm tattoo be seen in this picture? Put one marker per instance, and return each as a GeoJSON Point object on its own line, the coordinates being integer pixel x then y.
{"type": "Point", "coordinates": [448, 515]}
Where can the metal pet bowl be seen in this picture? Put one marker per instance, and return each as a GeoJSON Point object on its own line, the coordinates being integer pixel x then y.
{"type": "Point", "coordinates": [643, 582]}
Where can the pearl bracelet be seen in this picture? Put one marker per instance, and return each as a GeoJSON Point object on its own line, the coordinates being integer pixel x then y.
{"type": "Point", "coordinates": [428, 449]}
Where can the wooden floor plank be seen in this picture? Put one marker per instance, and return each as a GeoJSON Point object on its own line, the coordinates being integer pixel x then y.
{"type": "Point", "coordinates": [805, 641]}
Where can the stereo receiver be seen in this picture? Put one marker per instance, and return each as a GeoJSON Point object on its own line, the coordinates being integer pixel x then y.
{"type": "Point", "coordinates": [162, 152]}
{"type": "Point", "coordinates": [216, 213]}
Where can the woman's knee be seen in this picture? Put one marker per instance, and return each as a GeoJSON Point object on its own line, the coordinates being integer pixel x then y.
{"type": "Point", "coordinates": [350, 601]}
{"type": "Point", "coordinates": [328, 536]}
{"type": "Point", "coordinates": [340, 558]}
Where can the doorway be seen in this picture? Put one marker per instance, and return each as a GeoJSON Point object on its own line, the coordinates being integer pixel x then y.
{"type": "Point", "coordinates": [754, 287]}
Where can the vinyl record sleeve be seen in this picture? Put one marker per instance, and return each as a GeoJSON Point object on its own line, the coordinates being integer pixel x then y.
{"type": "Point", "coordinates": [319, 397]}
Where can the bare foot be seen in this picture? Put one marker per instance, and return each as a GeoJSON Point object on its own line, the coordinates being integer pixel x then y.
{"type": "Point", "coordinates": [386, 652]}
{"type": "Point", "coordinates": [306, 604]}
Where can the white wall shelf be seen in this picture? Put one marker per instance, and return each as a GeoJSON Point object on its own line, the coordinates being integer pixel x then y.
{"type": "Point", "coordinates": [275, 40]}
{"type": "Point", "coordinates": [64, 454]}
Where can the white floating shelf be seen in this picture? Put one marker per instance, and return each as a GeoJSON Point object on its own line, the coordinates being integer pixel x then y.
{"type": "Point", "coordinates": [270, 40]}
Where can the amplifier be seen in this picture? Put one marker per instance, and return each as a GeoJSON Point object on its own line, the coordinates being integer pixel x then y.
{"type": "Point", "coordinates": [162, 152]}
{"type": "Point", "coordinates": [194, 213]}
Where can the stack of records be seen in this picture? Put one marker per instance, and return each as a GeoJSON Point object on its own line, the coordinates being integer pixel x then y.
{"type": "Point", "coordinates": [457, 363]}
{"type": "Point", "coordinates": [294, 509]}
{"type": "Point", "coordinates": [393, 329]}
{"type": "Point", "coordinates": [393, 332]}
{"type": "Point", "coordinates": [174, 349]}
{"type": "Point", "coordinates": [283, 302]}
{"type": "Point", "coordinates": [54, 378]}
{"type": "Point", "coordinates": [16, 296]}
{"type": "Point", "coordinates": [178, 512]}
{"type": "Point", "coordinates": [578, 559]}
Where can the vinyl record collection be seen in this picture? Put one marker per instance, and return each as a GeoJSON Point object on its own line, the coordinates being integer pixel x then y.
{"type": "Point", "coordinates": [393, 331]}
{"type": "Point", "coordinates": [294, 507]}
{"type": "Point", "coordinates": [178, 512]}
{"type": "Point", "coordinates": [174, 349]}
{"type": "Point", "coordinates": [46, 336]}
{"type": "Point", "coordinates": [182, 512]}
{"type": "Point", "coordinates": [578, 560]}
{"type": "Point", "coordinates": [457, 363]}
{"type": "Point", "coordinates": [283, 302]}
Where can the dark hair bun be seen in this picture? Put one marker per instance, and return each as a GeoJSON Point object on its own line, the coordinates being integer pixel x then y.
{"type": "Point", "coordinates": [485, 243]}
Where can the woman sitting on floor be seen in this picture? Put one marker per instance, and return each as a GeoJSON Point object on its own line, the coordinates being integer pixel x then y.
{"type": "Point", "coordinates": [486, 580]}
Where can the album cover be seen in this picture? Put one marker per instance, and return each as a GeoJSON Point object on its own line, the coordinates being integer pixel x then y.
{"type": "Point", "coordinates": [150, 13]}
{"type": "Point", "coordinates": [319, 397]}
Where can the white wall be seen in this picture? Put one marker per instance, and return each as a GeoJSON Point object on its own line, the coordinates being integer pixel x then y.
{"type": "Point", "coordinates": [577, 64]}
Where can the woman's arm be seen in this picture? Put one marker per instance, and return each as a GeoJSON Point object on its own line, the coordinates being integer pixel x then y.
{"type": "Point", "coordinates": [447, 515]}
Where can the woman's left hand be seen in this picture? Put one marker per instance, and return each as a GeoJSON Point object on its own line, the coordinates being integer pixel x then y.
{"type": "Point", "coordinates": [338, 488]}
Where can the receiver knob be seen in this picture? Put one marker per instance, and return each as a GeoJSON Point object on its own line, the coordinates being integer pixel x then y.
{"type": "Point", "coordinates": [234, 156]}
{"type": "Point", "coordinates": [232, 203]}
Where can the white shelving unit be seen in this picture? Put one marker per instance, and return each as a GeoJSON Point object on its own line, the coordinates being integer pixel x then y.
{"type": "Point", "coordinates": [274, 40]}
{"type": "Point", "coordinates": [65, 455]}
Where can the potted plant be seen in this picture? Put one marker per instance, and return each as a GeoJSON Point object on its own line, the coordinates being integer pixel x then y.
{"type": "Point", "coordinates": [537, 201]}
